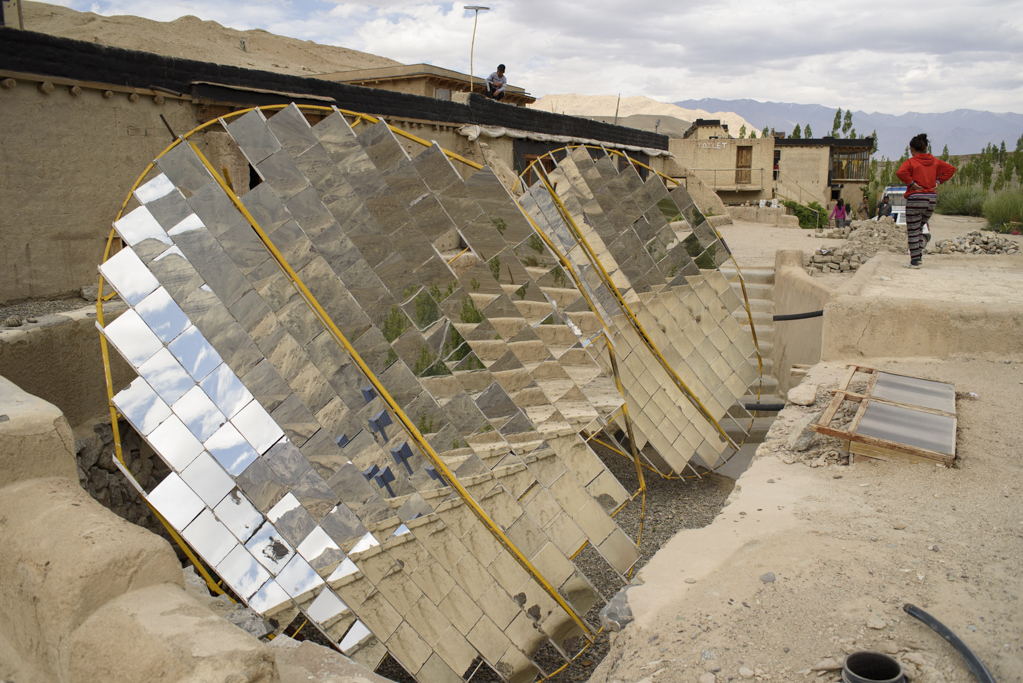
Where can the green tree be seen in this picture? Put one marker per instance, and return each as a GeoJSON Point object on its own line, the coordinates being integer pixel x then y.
{"type": "Point", "coordinates": [764, 132]}
{"type": "Point", "coordinates": [852, 133]}
{"type": "Point", "coordinates": [1002, 152]}
{"type": "Point", "coordinates": [753, 134]}
{"type": "Point", "coordinates": [944, 154]}
{"type": "Point", "coordinates": [873, 150]}
{"type": "Point", "coordinates": [742, 131]}
{"type": "Point", "coordinates": [847, 122]}
{"type": "Point", "coordinates": [797, 132]}
{"type": "Point", "coordinates": [807, 133]}
{"type": "Point", "coordinates": [837, 125]}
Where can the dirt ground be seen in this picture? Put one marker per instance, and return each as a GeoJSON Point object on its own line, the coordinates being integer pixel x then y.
{"type": "Point", "coordinates": [754, 244]}
{"type": "Point", "coordinates": [810, 563]}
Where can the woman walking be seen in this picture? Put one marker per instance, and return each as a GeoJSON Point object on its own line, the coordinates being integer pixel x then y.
{"type": "Point", "coordinates": [922, 174]}
{"type": "Point", "coordinates": [838, 213]}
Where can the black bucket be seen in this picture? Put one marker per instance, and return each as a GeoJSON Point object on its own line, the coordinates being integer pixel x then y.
{"type": "Point", "coordinates": [871, 667]}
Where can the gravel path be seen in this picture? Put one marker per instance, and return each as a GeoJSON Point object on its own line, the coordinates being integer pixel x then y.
{"type": "Point", "coordinates": [37, 309]}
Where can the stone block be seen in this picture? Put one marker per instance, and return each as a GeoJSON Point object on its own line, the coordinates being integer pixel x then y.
{"type": "Point", "coordinates": [65, 557]}
{"type": "Point", "coordinates": [161, 633]}
{"type": "Point", "coordinates": [35, 440]}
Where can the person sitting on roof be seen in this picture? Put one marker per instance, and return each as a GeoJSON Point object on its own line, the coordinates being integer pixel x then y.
{"type": "Point", "coordinates": [496, 83]}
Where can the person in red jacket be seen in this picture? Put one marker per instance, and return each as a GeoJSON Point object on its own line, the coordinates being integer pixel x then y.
{"type": "Point", "coordinates": [922, 174]}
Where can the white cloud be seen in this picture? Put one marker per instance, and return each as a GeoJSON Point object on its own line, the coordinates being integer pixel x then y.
{"type": "Point", "coordinates": [867, 54]}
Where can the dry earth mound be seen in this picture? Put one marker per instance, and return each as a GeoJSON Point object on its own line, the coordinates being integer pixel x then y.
{"type": "Point", "coordinates": [192, 38]}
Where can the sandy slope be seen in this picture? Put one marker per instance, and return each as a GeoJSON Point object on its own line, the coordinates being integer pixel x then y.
{"type": "Point", "coordinates": [806, 564]}
{"type": "Point", "coordinates": [604, 105]}
{"type": "Point", "coordinates": [193, 38]}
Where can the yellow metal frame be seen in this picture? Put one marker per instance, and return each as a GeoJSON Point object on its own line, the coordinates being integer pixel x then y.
{"type": "Point", "coordinates": [624, 306]}
{"type": "Point", "coordinates": [310, 300]}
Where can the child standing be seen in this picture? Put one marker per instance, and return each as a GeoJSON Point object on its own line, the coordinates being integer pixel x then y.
{"type": "Point", "coordinates": [922, 174]}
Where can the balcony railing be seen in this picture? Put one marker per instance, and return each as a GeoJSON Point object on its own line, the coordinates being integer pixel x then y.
{"type": "Point", "coordinates": [732, 179]}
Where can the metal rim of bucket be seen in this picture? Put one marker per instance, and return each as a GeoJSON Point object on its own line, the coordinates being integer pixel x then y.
{"type": "Point", "coordinates": [871, 667]}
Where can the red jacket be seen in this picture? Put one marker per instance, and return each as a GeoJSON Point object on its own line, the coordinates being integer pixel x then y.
{"type": "Point", "coordinates": [926, 171]}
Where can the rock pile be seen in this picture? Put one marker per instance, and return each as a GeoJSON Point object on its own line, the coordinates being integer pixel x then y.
{"type": "Point", "coordinates": [832, 260]}
{"type": "Point", "coordinates": [976, 242]}
{"type": "Point", "coordinates": [866, 239]}
{"type": "Point", "coordinates": [98, 474]}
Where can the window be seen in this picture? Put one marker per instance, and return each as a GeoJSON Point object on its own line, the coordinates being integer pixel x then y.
{"type": "Point", "coordinates": [548, 164]}
{"type": "Point", "coordinates": [441, 94]}
{"type": "Point", "coordinates": [850, 164]}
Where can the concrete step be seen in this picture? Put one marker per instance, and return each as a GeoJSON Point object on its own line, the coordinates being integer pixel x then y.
{"type": "Point", "coordinates": [755, 291]}
{"type": "Point", "coordinates": [763, 276]}
{"type": "Point", "coordinates": [761, 306]}
{"type": "Point", "coordinates": [760, 318]}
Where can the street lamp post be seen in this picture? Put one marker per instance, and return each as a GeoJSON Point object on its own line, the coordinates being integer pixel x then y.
{"type": "Point", "coordinates": [476, 9]}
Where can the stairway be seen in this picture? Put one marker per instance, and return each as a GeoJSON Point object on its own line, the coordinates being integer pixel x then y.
{"type": "Point", "coordinates": [760, 290]}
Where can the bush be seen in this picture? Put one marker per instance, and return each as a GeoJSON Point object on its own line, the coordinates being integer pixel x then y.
{"type": "Point", "coordinates": [808, 220]}
{"type": "Point", "coordinates": [1004, 211]}
{"type": "Point", "coordinates": [960, 200]}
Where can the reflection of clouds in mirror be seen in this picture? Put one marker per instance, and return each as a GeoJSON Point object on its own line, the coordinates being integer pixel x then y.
{"type": "Point", "coordinates": [160, 186]}
{"type": "Point", "coordinates": [129, 276]}
{"type": "Point", "coordinates": [175, 444]}
{"type": "Point", "coordinates": [176, 501]}
{"type": "Point", "coordinates": [166, 376]}
{"type": "Point", "coordinates": [231, 449]}
{"type": "Point", "coordinates": [199, 413]}
{"type": "Point", "coordinates": [207, 479]}
{"type": "Point", "coordinates": [132, 338]}
{"type": "Point", "coordinates": [139, 225]}
{"type": "Point", "coordinates": [258, 427]}
{"type": "Point", "coordinates": [226, 390]}
{"type": "Point", "coordinates": [355, 637]}
{"type": "Point", "coordinates": [195, 353]}
{"type": "Point", "coordinates": [298, 577]}
{"type": "Point", "coordinates": [365, 543]}
{"type": "Point", "coordinates": [242, 572]}
{"type": "Point", "coordinates": [269, 597]}
{"type": "Point", "coordinates": [162, 315]}
{"type": "Point", "coordinates": [239, 515]}
{"type": "Point", "coordinates": [326, 607]}
{"type": "Point", "coordinates": [142, 406]}
{"type": "Point", "coordinates": [209, 537]}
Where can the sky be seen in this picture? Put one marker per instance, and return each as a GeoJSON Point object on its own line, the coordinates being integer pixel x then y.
{"type": "Point", "coordinates": [931, 56]}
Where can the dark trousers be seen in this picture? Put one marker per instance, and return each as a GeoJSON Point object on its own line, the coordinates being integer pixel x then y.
{"type": "Point", "coordinates": [919, 208]}
{"type": "Point", "coordinates": [492, 94]}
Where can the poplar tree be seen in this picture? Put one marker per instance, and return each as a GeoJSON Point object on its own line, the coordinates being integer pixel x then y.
{"type": "Point", "coordinates": [797, 132]}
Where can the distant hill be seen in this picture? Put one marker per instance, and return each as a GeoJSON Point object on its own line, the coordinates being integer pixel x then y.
{"type": "Point", "coordinates": [592, 106]}
{"type": "Point", "coordinates": [965, 131]}
{"type": "Point", "coordinates": [192, 38]}
{"type": "Point", "coordinates": [665, 125]}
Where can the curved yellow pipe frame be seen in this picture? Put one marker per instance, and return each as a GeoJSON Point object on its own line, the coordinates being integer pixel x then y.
{"type": "Point", "coordinates": [409, 426]}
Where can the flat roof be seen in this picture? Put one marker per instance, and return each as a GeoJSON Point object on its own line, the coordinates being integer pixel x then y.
{"type": "Point", "coordinates": [405, 71]}
{"type": "Point", "coordinates": [867, 143]}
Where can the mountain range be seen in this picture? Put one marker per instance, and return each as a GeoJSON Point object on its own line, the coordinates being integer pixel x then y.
{"type": "Point", "coordinates": [965, 131]}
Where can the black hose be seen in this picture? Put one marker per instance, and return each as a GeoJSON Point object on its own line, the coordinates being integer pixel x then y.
{"type": "Point", "coordinates": [973, 663]}
{"type": "Point", "coordinates": [768, 407]}
{"type": "Point", "coordinates": [799, 316]}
